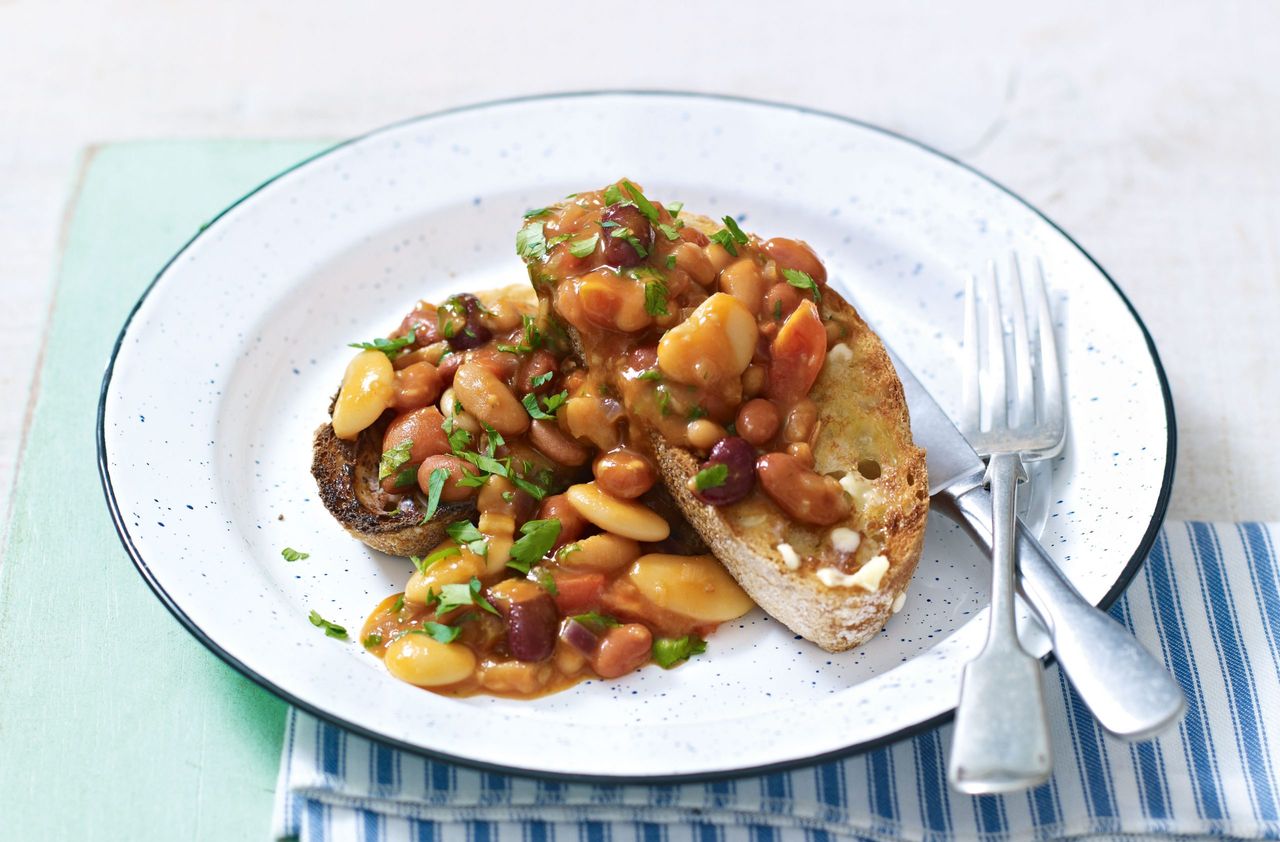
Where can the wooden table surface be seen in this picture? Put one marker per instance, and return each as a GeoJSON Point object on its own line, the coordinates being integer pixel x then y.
{"type": "Point", "coordinates": [1149, 131]}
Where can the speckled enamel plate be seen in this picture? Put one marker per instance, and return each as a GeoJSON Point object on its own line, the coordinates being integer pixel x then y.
{"type": "Point", "coordinates": [205, 459]}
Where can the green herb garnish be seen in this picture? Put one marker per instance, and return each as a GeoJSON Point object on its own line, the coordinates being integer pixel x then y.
{"type": "Point", "coordinates": [467, 535]}
{"type": "Point", "coordinates": [439, 631]}
{"type": "Point", "coordinates": [549, 405]}
{"type": "Point", "coordinates": [330, 629]}
{"type": "Point", "coordinates": [456, 596]}
{"type": "Point", "coordinates": [669, 651]}
{"type": "Point", "coordinates": [290, 554]}
{"type": "Point", "coordinates": [670, 232]}
{"type": "Point", "coordinates": [392, 459]}
{"type": "Point", "coordinates": [655, 297]}
{"type": "Point", "coordinates": [651, 374]}
{"type": "Point", "coordinates": [712, 477]}
{"type": "Point", "coordinates": [642, 204]}
{"type": "Point", "coordinates": [671, 261]}
{"type": "Point", "coordinates": [674, 208]}
{"type": "Point", "coordinates": [387, 346]}
{"type": "Point", "coordinates": [695, 412]}
{"type": "Point", "coordinates": [584, 248]}
{"type": "Point", "coordinates": [612, 195]}
{"type": "Point", "coordinates": [626, 234]}
{"type": "Point", "coordinates": [802, 280]}
{"type": "Point", "coordinates": [435, 484]}
{"type": "Point", "coordinates": [537, 539]}
{"type": "Point", "coordinates": [542, 379]}
{"type": "Point", "coordinates": [531, 242]}
{"type": "Point", "coordinates": [548, 582]}
{"type": "Point", "coordinates": [423, 563]}
{"type": "Point", "coordinates": [595, 621]}
{"type": "Point", "coordinates": [372, 640]}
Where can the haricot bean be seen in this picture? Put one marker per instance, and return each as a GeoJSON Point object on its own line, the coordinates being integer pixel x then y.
{"type": "Point", "coordinates": [572, 524]}
{"type": "Point", "coordinates": [417, 385]}
{"type": "Point", "coordinates": [622, 650]}
{"type": "Point", "coordinates": [757, 421]}
{"type": "Point", "coordinates": [457, 468]}
{"type": "Point", "coordinates": [618, 250]}
{"type": "Point", "coordinates": [739, 458]}
{"type": "Point", "coordinates": [804, 495]}
{"type": "Point", "coordinates": [624, 473]}
{"type": "Point", "coordinates": [555, 445]}
{"type": "Point", "coordinates": [693, 261]}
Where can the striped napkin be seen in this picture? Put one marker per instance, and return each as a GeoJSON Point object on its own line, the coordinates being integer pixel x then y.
{"type": "Point", "coordinates": [1207, 600]}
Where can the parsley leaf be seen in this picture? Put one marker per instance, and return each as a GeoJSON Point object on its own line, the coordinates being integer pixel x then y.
{"type": "Point", "coordinates": [535, 491]}
{"type": "Point", "coordinates": [655, 297]}
{"type": "Point", "coordinates": [595, 621]}
{"type": "Point", "coordinates": [530, 214]}
{"type": "Point", "coordinates": [435, 484]}
{"type": "Point", "coordinates": [664, 401]}
{"type": "Point", "coordinates": [466, 534]}
{"type": "Point", "coordinates": [387, 346]}
{"type": "Point", "coordinates": [458, 437]}
{"type": "Point", "coordinates": [671, 261]}
{"type": "Point", "coordinates": [456, 596]}
{"type": "Point", "coordinates": [330, 629]}
{"type": "Point", "coordinates": [725, 239]}
{"type": "Point", "coordinates": [674, 208]}
{"type": "Point", "coordinates": [711, 477]}
{"type": "Point", "coordinates": [399, 604]}
{"type": "Point", "coordinates": [548, 582]}
{"type": "Point", "coordinates": [651, 374]}
{"type": "Point", "coordinates": [644, 205]}
{"type": "Point", "coordinates": [695, 412]}
{"type": "Point", "coordinates": [392, 459]}
{"type": "Point", "coordinates": [668, 651]}
{"type": "Point", "coordinates": [542, 379]}
{"type": "Point", "coordinates": [531, 242]}
{"type": "Point", "coordinates": [732, 225]}
{"type": "Point", "coordinates": [372, 640]}
{"type": "Point", "coordinates": [777, 309]}
{"type": "Point", "coordinates": [439, 631]}
{"type": "Point", "coordinates": [408, 476]}
{"type": "Point", "coordinates": [731, 236]}
{"type": "Point", "coordinates": [583, 248]}
{"type": "Point", "coordinates": [552, 403]}
{"type": "Point", "coordinates": [290, 554]}
{"type": "Point", "coordinates": [625, 234]}
{"type": "Point", "coordinates": [670, 232]}
{"type": "Point", "coordinates": [423, 563]}
{"type": "Point", "coordinates": [802, 280]}
{"type": "Point", "coordinates": [537, 538]}
{"type": "Point", "coordinates": [612, 195]}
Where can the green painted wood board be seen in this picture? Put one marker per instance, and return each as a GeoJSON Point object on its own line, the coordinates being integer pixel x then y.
{"type": "Point", "coordinates": [114, 722]}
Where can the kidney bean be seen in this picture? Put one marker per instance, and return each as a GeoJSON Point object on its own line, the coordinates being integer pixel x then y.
{"type": "Point", "coordinates": [424, 324]}
{"type": "Point", "coordinates": [463, 314]}
{"type": "Point", "coordinates": [624, 473]}
{"type": "Point", "coordinates": [617, 251]}
{"type": "Point", "coordinates": [417, 386]}
{"type": "Point", "coordinates": [532, 626]}
{"type": "Point", "coordinates": [622, 649]}
{"type": "Point", "coordinates": [757, 421]}
{"type": "Point", "coordinates": [555, 445]}
{"type": "Point", "coordinates": [457, 468]}
{"type": "Point", "coordinates": [424, 427]}
{"type": "Point", "coordinates": [739, 457]}
{"type": "Point", "coordinates": [804, 495]}
{"type": "Point", "coordinates": [794, 254]}
{"type": "Point", "coordinates": [572, 524]}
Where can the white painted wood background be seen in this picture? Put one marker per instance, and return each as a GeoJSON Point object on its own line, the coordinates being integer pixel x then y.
{"type": "Point", "coordinates": [1149, 130]}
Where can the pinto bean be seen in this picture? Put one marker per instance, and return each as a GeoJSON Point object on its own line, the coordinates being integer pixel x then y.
{"type": "Point", "coordinates": [417, 386]}
{"type": "Point", "coordinates": [452, 492]}
{"type": "Point", "coordinates": [804, 495]}
{"type": "Point", "coordinates": [757, 421]}
{"type": "Point", "coordinates": [622, 650]}
{"type": "Point", "coordinates": [489, 399]}
{"type": "Point", "coordinates": [555, 445]}
{"type": "Point", "coordinates": [624, 473]}
{"type": "Point", "coordinates": [794, 254]}
{"type": "Point", "coordinates": [424, 427]}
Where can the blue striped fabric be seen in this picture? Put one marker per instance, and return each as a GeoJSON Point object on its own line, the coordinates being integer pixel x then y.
{"type": "Point", "coordinates": [1207, 601]}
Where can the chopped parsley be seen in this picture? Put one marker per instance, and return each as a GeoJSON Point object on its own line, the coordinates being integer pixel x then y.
{"type": "Point", "coordinates": [548, 582]}
{"type": "Point", "coordinates": [802, 280]}
{"type": "Point", "coordinates": [655, 297]}
{"type": "Point", "coordinates": [537, 538]}
{"type": "Point", "coordinates": [671, 261]}
{"type": "Point", "coordinates": [620, 233]}
{"type": "Point", "coordinates": [777, 309]}
{"type": "Point", "coordinates": [670, 232]}
{"type": "Point", "coordinates": [372, 640]}
{"type": "Point", "coordinates": [530, 214]}
{"type": "Point", "coordinates": [399, 604]}
{"type": "Point", "coordinates": [390, 347]}
{"type": "Point", "coordinates": [695, 412]}
{"type": "Point", "coordinates": [651, 374]}
{"type": "Point", "coordinates": [584, 248]}
{"type": "Point", "coordinates": [531, 242]}
{"type": "Point", "coordinates": [731, 236]}
{"type": "Point", "coordinates": [435, 484]}
{"type": "Point", "coordinates": [407, 476]}
{"type": "Point", "coordinates": [674, 208]}
{"type": "Point", "coordinates": [467, 535]}
{"type": "Point", "coordinates": [642, 204]}
{"type": "Point", "coordinates": [595, 621]}
{"type": "Point", "coordinates": [664, 401]}
{"type": "Point", "coordinates": [551, 404]}
{"type": "Point", "coordinates": [542, 379]}
{"type": "Point", "coordinates": [712, 477]}
{"type": "Point", "coordinates": [458, 437]}
{"type": "Point", "coordinates": [612, 195]}
{"type": "Point", "coordinates": [423, 563]}
{"type": "Point", "coordinates": [669, 651]}
{"type": "Point", "coordinates": [567, 550]}
{"type": "Point", "coordinates": [392, 459]}
{"type": "Point", "coordinates": [530, 341]}
{"type": "Point", "coordinates": [290, 554]}
{"type": "Point", "coordinates": [439, 631]}
{"type": "Point", "coordinates": [330, 629]}
{"type": "Point", "coordinates": [456, 596]}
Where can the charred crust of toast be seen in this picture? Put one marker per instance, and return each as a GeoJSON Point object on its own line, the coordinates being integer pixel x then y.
{"type": "Point", "coordinates": [341, 468]}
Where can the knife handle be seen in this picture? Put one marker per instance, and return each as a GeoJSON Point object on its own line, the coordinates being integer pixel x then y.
{"type": "Point", "coordinates": [1127, 689]}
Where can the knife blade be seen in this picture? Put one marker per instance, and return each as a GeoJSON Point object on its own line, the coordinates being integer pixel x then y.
{"type": "Point", "coordinates": [1130, 693]}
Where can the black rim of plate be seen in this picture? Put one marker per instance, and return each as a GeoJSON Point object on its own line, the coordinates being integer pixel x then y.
{"type": "Point", "coordinates": [1126, 576]}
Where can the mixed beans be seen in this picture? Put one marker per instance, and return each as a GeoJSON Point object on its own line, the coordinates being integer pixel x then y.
{"type": "Point", "coordinates": [565, 571]}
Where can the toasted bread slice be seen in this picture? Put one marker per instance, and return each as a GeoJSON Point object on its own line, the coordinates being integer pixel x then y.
{"type": "Point", "coordinates": [836, 596]}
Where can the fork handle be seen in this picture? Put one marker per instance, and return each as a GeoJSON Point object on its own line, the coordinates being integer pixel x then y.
{"type": "Point", "coordinates": [1127, 689]}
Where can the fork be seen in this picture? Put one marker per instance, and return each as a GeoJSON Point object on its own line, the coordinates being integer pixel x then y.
{"type": "Point", "coordinates": [1001, 738]}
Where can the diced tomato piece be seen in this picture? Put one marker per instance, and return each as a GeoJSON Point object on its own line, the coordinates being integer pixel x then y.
{"type": "Point", "coordinates": [578, 592]}
{"type": "Point", "coordinates": [797, 354]}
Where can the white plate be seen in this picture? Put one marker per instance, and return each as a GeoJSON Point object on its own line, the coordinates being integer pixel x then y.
{"type": "Point", "coordinates": [227, 364]}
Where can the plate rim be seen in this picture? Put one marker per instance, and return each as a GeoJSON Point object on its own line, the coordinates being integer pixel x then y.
{"type": "Point", "coordinates": [1122, 582]}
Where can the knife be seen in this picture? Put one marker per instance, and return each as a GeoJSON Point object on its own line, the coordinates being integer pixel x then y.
{"type": "Point", "coordinates": [1127, 689]}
